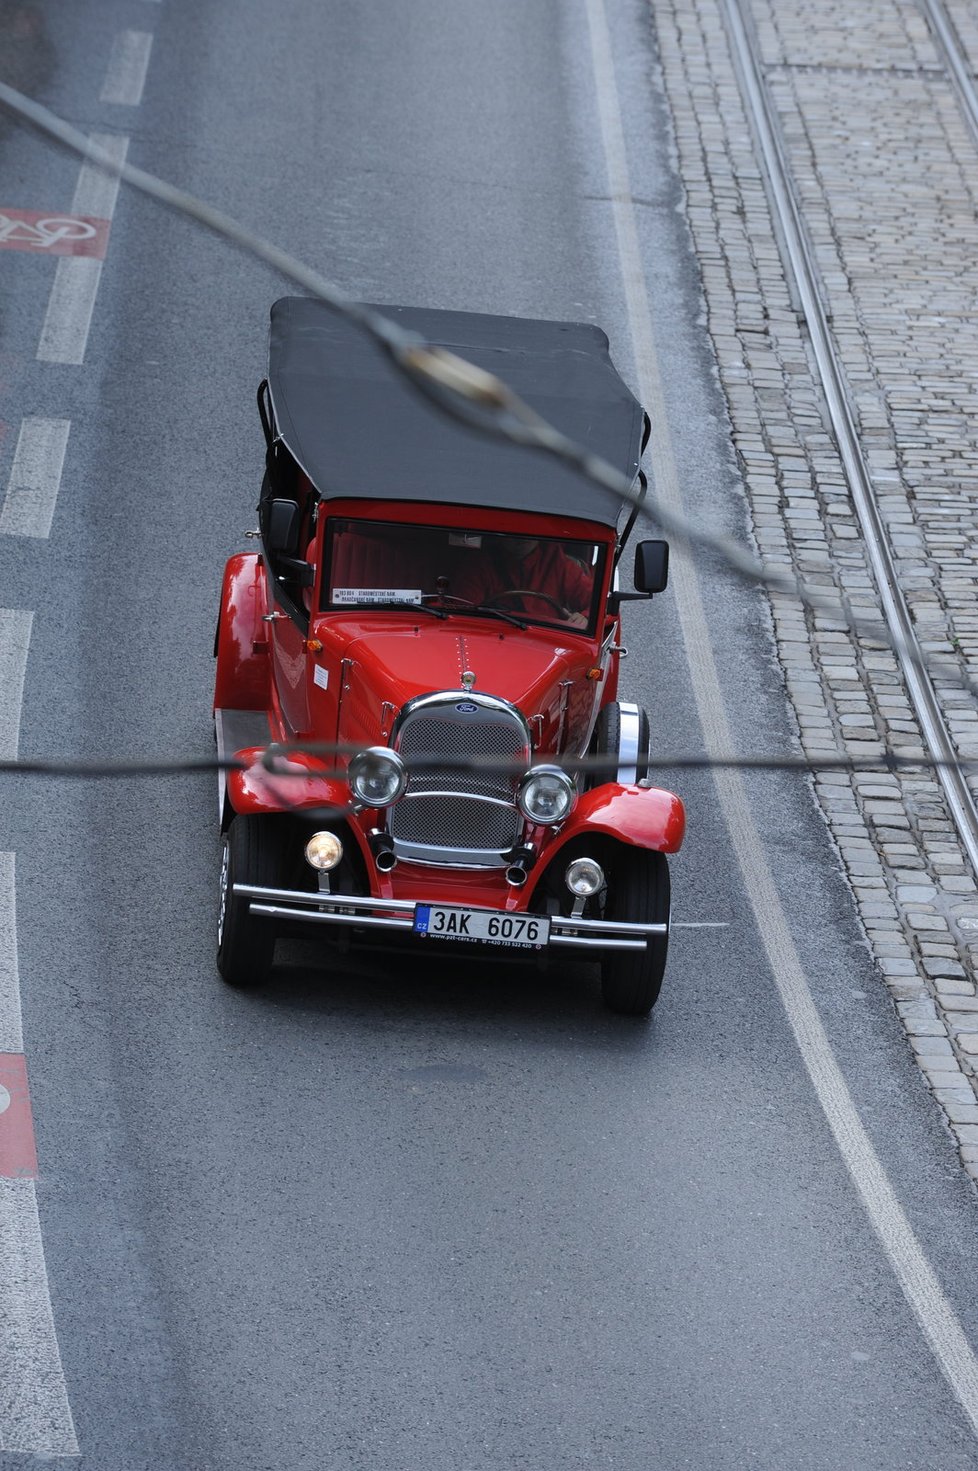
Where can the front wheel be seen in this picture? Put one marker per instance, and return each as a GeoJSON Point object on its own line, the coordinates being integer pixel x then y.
{"type": "Point", "coordinates": [252, 854]}
{"type": "Point", "coordinates": [622, 734]}
{"type": "Point", "coordinates": [638, 893]}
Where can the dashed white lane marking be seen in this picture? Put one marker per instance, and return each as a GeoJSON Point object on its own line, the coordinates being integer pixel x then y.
{"type": "Point", "coordinates": [918, 1281]}
{"type": "Point", "coordinates": [34, 1412]}
{"type": "Point", "coordinates": [125, 76]}
{"type": "Point", "coordinates": [15, 638]}
{"type": "Point", "coordinates": [11, 1030]}
{"type": "Point", "coordinates": [96, 192]}
{"type": "Point", "coordinates": [64, 335]}
{"type": "Point", "coordinates": [35, 477]}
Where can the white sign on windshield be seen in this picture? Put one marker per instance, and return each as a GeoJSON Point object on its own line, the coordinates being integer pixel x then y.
{"type": "Point", "coordinates": [376, 595]}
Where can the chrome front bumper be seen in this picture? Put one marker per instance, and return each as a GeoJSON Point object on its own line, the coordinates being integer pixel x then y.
{"type": "Point", "coordinates": [364, 912]}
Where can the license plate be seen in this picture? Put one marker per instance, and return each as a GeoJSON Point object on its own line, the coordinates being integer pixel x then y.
{"type": "Point", "coordinates": [484, 926]}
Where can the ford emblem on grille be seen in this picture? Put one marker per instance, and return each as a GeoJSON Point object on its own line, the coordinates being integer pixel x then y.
{"type": "Point", "coordinates": [467, 708]}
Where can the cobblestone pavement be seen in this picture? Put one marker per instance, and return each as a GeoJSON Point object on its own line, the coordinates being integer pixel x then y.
{"type": "Point", "coordinates": [887, 174]}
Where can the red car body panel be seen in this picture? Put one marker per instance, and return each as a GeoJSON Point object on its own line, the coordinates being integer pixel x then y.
{"type": "Point", "coordinates": [242, 679]}
{"type": "Point", "coordinates": [345, 679]}
{"type": "Point", "coordinates": [641, 817]}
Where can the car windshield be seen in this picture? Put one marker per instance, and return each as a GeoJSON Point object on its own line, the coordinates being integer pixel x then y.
{"type": "Point", "coordinates": [530, 579]}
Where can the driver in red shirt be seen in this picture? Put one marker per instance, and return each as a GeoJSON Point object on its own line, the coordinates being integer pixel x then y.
{"type": "Point", "coordinates": [523, 574]}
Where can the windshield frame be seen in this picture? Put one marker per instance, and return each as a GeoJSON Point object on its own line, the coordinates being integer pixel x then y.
{"type": "Point", "coordinates": [458, 522]}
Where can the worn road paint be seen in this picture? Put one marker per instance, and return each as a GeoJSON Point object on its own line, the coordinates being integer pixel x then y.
{"type": "Point", "coordinates": [42, 232]}
{"type": "Point", "coordinates": [125, 75]}
{"type": "Point", "coordinates": [35, 1417]}
{"type": "Point", "coordinates": [18, 1153]}
{"type": "Point", "coordinates": [68, 319]}
{"type": "Point", "coordinates": [15, 638]}
{"type": "Point", "coordinates": [11, 1029]}
{"type": "Point", "coordinates": [35, 478]}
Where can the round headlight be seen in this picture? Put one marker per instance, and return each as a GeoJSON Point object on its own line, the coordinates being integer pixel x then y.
{"type": "Point", "coordinates": [546, 794]}
{"type": "Point", "coordinates": [584, 877]}
{"type": "Point", "coordinates": [377, 776]}
{"type": "Point", "coordinates": [324, 851]}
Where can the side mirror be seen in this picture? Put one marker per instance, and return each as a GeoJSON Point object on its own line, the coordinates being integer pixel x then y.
{"type": "Point", "coordinates": [283, 527]}
{"type": "Point", "coordinates": [651, 566]}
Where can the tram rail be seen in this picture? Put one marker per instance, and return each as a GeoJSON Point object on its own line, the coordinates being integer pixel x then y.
{"type": "Point", "coordinates": [801, 264]}
{"type": "Point", "coordinates": [948, 44]}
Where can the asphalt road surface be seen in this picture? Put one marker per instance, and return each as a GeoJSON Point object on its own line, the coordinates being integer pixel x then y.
{"type": "Point", "coordinates": [382, 1216]}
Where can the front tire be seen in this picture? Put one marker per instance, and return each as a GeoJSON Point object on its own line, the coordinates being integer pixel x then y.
{"type": "Point", "coordinates": [622, 734]}
{"type": "Point", "coordinates": [252, 854]}
{"type": "Point", "coordinates": [638, 893]}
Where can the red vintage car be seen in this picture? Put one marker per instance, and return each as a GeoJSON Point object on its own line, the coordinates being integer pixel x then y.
{"type": "Point", "coordinates": [415, 666]}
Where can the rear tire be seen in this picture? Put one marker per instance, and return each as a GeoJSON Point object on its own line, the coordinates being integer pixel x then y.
{"type": "Point", "coordinates": [252, 854]}
{"type": "Point", "coordinates": [638, 893]}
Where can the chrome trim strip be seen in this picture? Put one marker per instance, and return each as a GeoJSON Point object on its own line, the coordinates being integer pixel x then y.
{"type": "Point", "coordinates": [565, 922]}
{"type": "Point", "coordinates": [332, 901]}
{"type": "Point", "coordinates": [591, 934]}
{"type": "Point", "coordinates": [484, 859]}
{"type": "Point", "coordinates": [565, 688]}
{"type": "Point", "coordinates": [628, 731]}
{"type": "Point", "coordinates": [585, 944]}
{"type": "Point", "coordinates": [441, 698]}
{"type": "Point", "coordinates": [379, 922]}
{"type": "Point", "coordinates": [457, 796]}
{"type": "Point", "coordinates": [222, 776]}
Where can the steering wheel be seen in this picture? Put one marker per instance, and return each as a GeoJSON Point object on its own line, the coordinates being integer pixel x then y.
{"type": "Point", "coordinates": [529, 592]}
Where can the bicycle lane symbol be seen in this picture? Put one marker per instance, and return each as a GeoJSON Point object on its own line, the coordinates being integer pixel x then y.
{"type": "Point", "coordinates": [48, 234]}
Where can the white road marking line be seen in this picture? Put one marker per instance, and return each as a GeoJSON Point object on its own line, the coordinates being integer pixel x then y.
{"type": "Point", "coordinates": [35, 478]}
{"type": "Point", "coordinates": [64, 335]}
{"type": "Point", "coordinates": [918, 1281]}
{"type": "Point", "coordinates": [96, 192]}
{"type": "Point", "coordinates": [700, 924]}
{"type": "Point", "coordinates": [15, 638]}
{"type": "Point", "coordinates": [35, 1416]}
{"type": "Point", "coordinates": [34, 1412]}
{"type": "Point", "coordinates": [125, 75]}
{"type": "Point", "coordinates": [11, 1031]}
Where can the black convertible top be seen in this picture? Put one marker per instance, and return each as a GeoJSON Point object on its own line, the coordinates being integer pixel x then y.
{"type": "Point", "coordinates": [357, 427]}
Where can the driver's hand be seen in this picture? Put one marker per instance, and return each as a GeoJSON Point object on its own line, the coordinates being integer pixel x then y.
{"type": "Point", "coordinates": [577, 620]}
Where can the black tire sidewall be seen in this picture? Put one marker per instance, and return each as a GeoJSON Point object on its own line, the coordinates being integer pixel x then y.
{"type": "Point", "coordinates": [638, 892]}
{"type": "Point", "coordinates": [246, 944]}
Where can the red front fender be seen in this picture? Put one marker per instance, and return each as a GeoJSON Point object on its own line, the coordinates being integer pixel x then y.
{"type": "Point", "coordinates": [643, 817]}
{"type": "Point", "coordinates": [299, 781]}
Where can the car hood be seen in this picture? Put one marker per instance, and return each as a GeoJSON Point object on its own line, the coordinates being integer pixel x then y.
{"type": "Point", "coordinates": [526, 668]}
{"type": "Point", "coordinates": [390, 660]}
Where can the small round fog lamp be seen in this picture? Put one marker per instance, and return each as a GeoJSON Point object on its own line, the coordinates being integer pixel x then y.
{"type": "Point", "coordinates": [377, 776]}
{"type": "Point", "coordinates": [584, 877]}
{"type": "Point", "coordinates": [324, 851]}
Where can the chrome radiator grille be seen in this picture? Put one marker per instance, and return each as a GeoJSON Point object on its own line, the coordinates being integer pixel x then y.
{"type": "Point", "coordinates": [461, 814]}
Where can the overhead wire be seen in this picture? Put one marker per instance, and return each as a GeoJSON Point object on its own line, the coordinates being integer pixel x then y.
{"type": "Point", "coordinates": [485, 404]}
